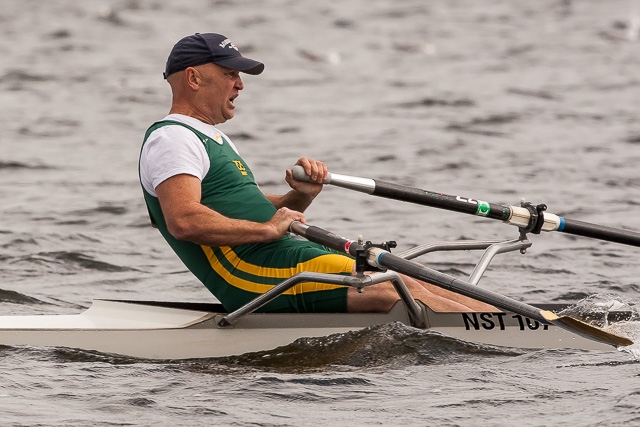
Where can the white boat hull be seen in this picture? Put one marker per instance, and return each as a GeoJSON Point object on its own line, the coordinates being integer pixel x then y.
{"type": "Point", "coordinates": [153, 330]}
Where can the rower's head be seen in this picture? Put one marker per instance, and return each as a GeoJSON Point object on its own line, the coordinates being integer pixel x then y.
{"type": "Point", "coordinates": [204, 73]}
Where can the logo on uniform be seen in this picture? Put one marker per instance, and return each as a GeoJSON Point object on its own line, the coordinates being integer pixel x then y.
{"type": "Point", "coordinates": [240, 167]}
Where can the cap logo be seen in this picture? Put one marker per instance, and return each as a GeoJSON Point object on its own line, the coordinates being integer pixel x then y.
{"type": "Point", "coordinates": [226, 42]}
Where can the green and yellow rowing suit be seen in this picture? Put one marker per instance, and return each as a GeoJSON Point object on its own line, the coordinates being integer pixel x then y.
{"type": "Point", "coordinates": [238, 274]}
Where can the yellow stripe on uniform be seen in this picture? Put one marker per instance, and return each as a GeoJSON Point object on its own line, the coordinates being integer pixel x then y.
{"type": "Point", "coordinates": [319, 264]}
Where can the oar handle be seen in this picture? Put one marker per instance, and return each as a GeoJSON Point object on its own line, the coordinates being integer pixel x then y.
{"type": "Point", "coordinates": [301, 175]}
{"type": "Point", "coordinates": [364, 185]}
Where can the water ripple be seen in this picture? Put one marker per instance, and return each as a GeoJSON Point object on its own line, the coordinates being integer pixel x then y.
{"type": "Point", "coordinates": [17, 298]}
{"type": "Point", "coordinates": [385, 346]}
{"type": "Point", "coordinates": [63, 262]}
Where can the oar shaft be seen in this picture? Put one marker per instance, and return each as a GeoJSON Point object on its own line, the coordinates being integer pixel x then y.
{"type": "Point", "coordinates": [445, 281]}
{"type": "Point", "coordinates": [442, 201]}
{"type": "Point", "coordinates": [515, 215]}
{"type": "Point", "coordinates": [323, 237]}
{"type": "Point", "coordinates": [380, 258]}
{"type": "Point", "coordinates": [580, 228]}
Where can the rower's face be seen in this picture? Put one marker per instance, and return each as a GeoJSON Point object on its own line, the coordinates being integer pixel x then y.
{"type": "Point", "coordinates": [218, 89]}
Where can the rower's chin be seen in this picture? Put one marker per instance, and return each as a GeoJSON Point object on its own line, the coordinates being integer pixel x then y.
{"type": "Point", "coordinates": [230, 108]}
{"type": "Point", "coordinates": [228, 114]}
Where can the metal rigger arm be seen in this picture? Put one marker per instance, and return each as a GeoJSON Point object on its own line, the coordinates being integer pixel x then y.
{"type": "Point", "coordinates": [365, 277]}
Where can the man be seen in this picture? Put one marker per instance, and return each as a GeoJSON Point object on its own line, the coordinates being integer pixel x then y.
{"type": "Point", "coordinates": [203, 198]}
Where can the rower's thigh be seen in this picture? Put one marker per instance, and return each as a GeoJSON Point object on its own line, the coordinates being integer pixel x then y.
{"type": "Point", "coordinates": [252, 274]}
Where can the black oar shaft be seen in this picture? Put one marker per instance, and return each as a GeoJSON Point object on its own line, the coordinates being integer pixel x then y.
{"type": "Point", "coordinates": [442, 201]}
{"type": "Point", "coordinates": [442, 280]}
{"type": "Point", "coordinates": [500, 212]}
{"type": "Point", "coordinates": [418, 196]}
{"type": "Point", "coordinates": [323, 237]}
{"type": "Point", "coordinates": [580, 228]}
{"type": "Point", "coordinates": [516, 215]}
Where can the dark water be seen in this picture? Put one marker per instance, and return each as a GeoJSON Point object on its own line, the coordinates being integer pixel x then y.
{"type": "Point", "coordinates": [496, 100]}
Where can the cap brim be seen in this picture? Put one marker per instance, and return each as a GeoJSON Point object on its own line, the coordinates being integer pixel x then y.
{"type": "Point", "coordinates": [243, 64]}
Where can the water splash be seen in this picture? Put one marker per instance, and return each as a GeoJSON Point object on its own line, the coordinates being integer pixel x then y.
{"type": "Point", "coordinates": [630, 330]}
{"type": "Point", "coordinates": [613, 313]}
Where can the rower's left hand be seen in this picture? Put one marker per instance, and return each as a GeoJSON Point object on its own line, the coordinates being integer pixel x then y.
{"type": "Point", "coordinates": [316, 170]}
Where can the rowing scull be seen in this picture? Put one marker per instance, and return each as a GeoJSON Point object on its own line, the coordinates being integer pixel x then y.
{"type": "Point", "coordinates": [165, 330]}
{"type": "Point", "coordinates": [171, 330]}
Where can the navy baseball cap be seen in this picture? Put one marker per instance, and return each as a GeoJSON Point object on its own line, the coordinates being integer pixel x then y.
{"type": "Point", "coordinates": [201, 49]}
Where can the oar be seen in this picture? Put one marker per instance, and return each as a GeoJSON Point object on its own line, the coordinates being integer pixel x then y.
{"type": "Point", "coordinates": [531, 218]}
{"type": "Point", "coordinates": [378, 257]}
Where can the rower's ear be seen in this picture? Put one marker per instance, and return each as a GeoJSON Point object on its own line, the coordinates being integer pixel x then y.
{"type": "Point", "coordinates": [193, 77]}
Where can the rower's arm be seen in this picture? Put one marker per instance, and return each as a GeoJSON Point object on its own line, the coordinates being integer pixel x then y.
{"type": "Point", "coordinates": [188, 219]}
{"type": "Point", "coordinates": [292, 200]}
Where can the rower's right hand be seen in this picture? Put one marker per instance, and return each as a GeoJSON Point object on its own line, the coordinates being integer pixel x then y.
{"type": "Point", "coordinates": [317, 173]}
{"type": "Point", "coordinates": [281, 220]}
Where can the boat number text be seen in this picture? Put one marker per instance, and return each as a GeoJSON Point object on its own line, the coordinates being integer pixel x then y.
{"type": "Point", "coordinates": [489, 321]}
{"type": "Point", "coordinates": [483, 207]}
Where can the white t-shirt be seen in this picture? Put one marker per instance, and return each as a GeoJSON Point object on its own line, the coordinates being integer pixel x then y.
{"type": "Point", "coordinates": [174, 150]}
